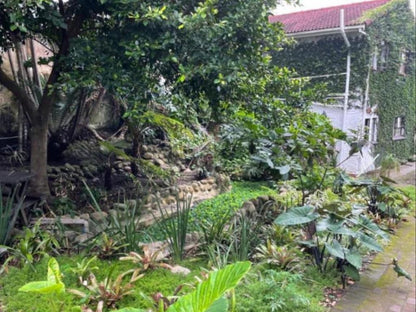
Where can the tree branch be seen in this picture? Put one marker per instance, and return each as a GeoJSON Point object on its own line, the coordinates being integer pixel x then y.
{"type": "Point", "coordinates": [19, 93]}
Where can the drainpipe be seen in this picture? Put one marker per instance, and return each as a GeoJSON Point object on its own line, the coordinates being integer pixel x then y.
{"type": "Point", "coordinates": [347, 80]}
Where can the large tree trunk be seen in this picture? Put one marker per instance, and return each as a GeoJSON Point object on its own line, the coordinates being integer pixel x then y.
{"type": "Point", "coordinates": [38, 161]}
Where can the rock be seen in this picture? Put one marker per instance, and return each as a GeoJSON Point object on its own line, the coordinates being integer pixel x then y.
{"type": "Point", "coordinates": [210, 180]}
{"type": "Point", "coordinates": [159, 162]}
{"type": "Point", "coordinates": [263, 199]}
{"type": "Point", "coordinates": [248, 209]}
{"type": "Point", "coordinates": [81, 238]}
{"type": "Point", "coordinates": [255, 202]}
{"type": "Point", "coordinates": [171, 200]}
{"type": "Point", "coordinates": [85, 216]}
{"type": "Point", "coordinates": [195, 187]}
{"type": "Point", "coordinates": [148, 156]}
{"type": "Point", "coordinates": [71, 235]}
{"type": "Point", "coordinates": [93, 169]}
{"type": "Point", "coordinates": [150, 199]}
{"type": "Point", "coordinates": [69, 167]}
{"type": "Point", "coordinates": [99, 216]}
{"type": "Point", "coordinates": [177, 269]}
{"type": "Point", "coordinates": [120, 206]}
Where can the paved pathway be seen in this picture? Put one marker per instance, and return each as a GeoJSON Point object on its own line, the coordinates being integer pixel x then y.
{"type": "Point", "coordinates": [379, 289]}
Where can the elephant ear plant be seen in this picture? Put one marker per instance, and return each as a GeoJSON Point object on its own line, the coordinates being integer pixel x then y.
{"type": "Point", "coordinates": [331, 235]}
{"type": "Point", "coordinates": [52, 286]}
{"type": "Point", "coordinates": [208, 296]}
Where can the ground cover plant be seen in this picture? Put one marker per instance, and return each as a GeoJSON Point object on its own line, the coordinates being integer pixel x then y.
{"type": "Point", "coordinates": [281, 278]}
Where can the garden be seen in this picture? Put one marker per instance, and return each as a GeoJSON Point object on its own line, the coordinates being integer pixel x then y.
{"type": "Point", "coordinates": [172, 167]}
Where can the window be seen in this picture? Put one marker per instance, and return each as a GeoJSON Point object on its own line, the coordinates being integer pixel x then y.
{"type": "Point", "coordinates": [370, 129]}
{"type": "Point", "coordinates": [380, 56]}
{"type": "Point", "coordinates": [399, 130]}
{"type": "Point", "coordinates": [403, 62]}
{"type": "Point", "coordinates": [374, 60]}
{"type": "Point", "coordinates": [384, 55]}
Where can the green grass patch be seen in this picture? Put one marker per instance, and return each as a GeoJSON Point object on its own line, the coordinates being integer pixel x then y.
{"type": "Point", "coordinates": [221, 206]}
{"type": "Point", "coordinates": [271, 290]}
{"type": "Point", "coordinates": [228, 203]}
{"type": "Point", "coordinates": [158, 280]}
{"type": "Point", "coordinates": [410, 191]}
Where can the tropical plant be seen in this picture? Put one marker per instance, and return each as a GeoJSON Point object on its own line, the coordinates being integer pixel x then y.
{"type": "Point", "coordinates": [9, 210]}
{"type": "Point", "coordinates": [53, 283]}
{"type": "Point", "coordinates": [335, 234]}
{"type": "Point", "coordinates": [52, 286]}
{"type": "Point", "coordinates": [123, 231]}
{"type": "Point", "coordinates": [175, 227]}
{"type": "Point", "coordinates": [274, 291]}
{"type": "Point", "coordinates": [84, 267]}
{"type": "Point", "coordinates": [209, 294]}
{"type": "Point", "coordinates": [32, 245]}
{"type": "Point", "coordinates": [388, 163]}
{"type": "Point", "coordinates": [148, 261]}
{"type": "Point", "coordinates": [107, 292]}
{"type": "Point", "coordinates": [283, 257]}
{"type": "Point", "coordinates": [105, 246]}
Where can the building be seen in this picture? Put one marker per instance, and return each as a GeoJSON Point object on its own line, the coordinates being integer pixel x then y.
{"type": "Point", "coordinates": [365, 54]}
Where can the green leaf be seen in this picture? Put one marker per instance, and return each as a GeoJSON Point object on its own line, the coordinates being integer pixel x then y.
{"type": "Point", "coordinates": [297, 215]}
{"type": "Point", "coordinates": [354, 258]}
{"type": "Point", "coordinates": [352, 272]}
{"type": "Point", "coordinates": [221, 305]}
{"type": "Point", "coordinates": [369, 242]}
{"type": "Point", "coordinates": [42, 287]}
{"type": "Point", "coordinates": [334, 226]}
{"type": "Point", "coordinates": [54, 273]}
{"type": "Point", "coordinates": [52, 284]}
{"type": "Point", "coordinates": [130, 310]}
{"type": "Point", "coordinates": [284, 169]}
{"type": "Point", "coordinates": [335, 249]}
{"type": "Point", "coordinates": [210, 290]}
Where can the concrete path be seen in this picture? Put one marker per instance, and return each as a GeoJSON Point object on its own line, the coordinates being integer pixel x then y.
{"type": "Point", "coordinates": [380, 290]}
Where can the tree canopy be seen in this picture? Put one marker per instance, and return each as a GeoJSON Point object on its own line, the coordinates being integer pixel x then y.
{"type": "Point", "coordinates": [203, 62]}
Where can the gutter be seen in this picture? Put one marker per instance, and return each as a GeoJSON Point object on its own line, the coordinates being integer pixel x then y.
{"type": "Point", "coordinates": [328, 31]}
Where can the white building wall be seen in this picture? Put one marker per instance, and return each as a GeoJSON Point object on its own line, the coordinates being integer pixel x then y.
{"type": "Point", "coordinates": [358, 163]}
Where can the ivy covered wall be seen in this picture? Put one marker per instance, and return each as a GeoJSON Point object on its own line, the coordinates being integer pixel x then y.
{"type": "Point", "coordinates": [328, 56]}
{"type": "Point", "coordinates": [392, 93]}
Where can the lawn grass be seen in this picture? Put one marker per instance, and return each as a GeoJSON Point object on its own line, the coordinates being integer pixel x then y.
{"type": "Point", "coordinates": [410, 191]}
{"type": "Point", "coordinates": [158, 280]}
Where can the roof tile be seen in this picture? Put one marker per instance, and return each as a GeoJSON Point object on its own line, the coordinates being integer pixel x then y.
{"type": "Point", "coordinates": [325, 18]}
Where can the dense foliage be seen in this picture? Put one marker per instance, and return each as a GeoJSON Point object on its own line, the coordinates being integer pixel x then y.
{"type": "Point", "coordinates": [391, 30]}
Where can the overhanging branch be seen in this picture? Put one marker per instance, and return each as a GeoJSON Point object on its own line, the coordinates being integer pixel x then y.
{"type": "Point", "coordinates": [19, 93]}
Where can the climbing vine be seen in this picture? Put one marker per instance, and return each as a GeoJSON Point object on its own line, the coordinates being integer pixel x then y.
{"type": "Point", "coordinates": [394, 93]}
{"type": "Point", "coordinates": [391, 92]}
{"type": "Point", "coordinates": [327, 56]}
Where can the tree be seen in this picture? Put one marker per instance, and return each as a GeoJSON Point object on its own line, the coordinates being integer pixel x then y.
{"type": "Point", "coordinates": [56, 24]}
{"type": "Point", "coordinates": [202, 61]}
{"type": "Point", "coordinates": [62, 26]}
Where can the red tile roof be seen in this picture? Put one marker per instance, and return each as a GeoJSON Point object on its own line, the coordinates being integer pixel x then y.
{"type": "Point", "coordinates": [325, 18]}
